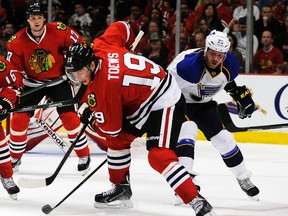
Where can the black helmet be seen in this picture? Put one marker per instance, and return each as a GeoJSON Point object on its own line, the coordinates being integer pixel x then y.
{"type": "Point", "coordinates": [78, 56]}
{"type": "Point", "coordinates": [36, 8]}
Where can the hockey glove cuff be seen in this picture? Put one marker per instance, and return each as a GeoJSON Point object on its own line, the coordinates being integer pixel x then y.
{"type": "Point", "coordinates": [245, 103]}
{"type": "Point", "coordinates": [5, 105]}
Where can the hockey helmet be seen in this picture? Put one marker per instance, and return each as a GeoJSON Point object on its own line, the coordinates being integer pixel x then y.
{"type": "Point", "coordinates": [35, 8]}
{"type": "Point", "coordinates": [217, 41]}
{"type": "Point", "coordinates": [78, 56]}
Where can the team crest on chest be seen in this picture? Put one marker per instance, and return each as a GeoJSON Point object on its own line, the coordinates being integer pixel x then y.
{"type": "Point", "coordinates": [92, 100]}
{"type": "Point", "coordinates": [2, 66]}
{"type": "Point", "coordinates": [41, 61]}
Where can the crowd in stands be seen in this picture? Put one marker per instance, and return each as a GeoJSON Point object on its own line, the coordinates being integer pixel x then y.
{"type": "Point", "coordinates": [157, 19]}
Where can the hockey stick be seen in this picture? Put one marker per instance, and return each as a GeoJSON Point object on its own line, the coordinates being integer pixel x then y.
{"type": "Point", "coordinates": [47, 208]}
{"type": "Point", "coordinates": [230, 126]}
{"type": "Point", "coordinates": [35, 183]}
{"type": "Point", "coordinates": [52, 134]}
{"type": "Point", "coordinates": [40, 106]}
{"type": "Point", "coordinates": [52, 82]}
{"type": "Point", "coordinates": [137, 40]}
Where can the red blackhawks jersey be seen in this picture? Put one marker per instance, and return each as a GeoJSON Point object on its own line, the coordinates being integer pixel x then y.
{"type": "Point", "coordinates": [126, 85]}
{"type": "Point", "coordinates": [41, 60]}
{"type": "Point", "coordinates": [10, 81]}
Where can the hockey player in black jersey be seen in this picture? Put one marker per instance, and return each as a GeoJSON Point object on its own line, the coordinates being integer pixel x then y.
{"type": "Point", "coordinates": [201, 73]}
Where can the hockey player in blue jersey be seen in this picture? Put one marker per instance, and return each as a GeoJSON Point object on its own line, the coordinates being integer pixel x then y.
{"type": "Point", "coordinates": [201, 73]}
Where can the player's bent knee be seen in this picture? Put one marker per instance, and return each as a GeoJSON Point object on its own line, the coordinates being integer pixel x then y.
{"type": "Point", "coordinates": [160, 158]}
{"type": "Point", "coordinates": [20, 121]}
{"type": "Point", "coordinates": [189, 130]}
{"type": "Point", "coordinates": [224, 141]}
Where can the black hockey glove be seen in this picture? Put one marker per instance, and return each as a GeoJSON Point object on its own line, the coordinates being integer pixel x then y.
{"type": "Point", "coordinates": [4, 106]}
{"type": "Point", "coordinates": [245, 103]}
{"type": "Point", "coordinates": [87, 118]}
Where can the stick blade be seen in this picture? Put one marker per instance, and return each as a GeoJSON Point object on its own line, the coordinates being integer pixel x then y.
{"type": "Point", "coordinates": [31, 183]}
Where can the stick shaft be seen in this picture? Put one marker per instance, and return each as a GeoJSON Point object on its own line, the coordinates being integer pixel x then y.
{"type": "Point", "coordinates": [80, 184]}
{"type": "Point", "coordinates": [47, 84]}
{"type": "Point", "coordinates": [230, 126]}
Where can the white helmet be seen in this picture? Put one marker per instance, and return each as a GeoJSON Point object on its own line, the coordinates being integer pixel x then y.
{"type": "Point", "coordinates": [217, 41]}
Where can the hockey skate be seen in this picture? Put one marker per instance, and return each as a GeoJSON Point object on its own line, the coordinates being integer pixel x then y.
{"type": "Point", "coordinates": [178, 200]}
{"type": "Point", "coordinates": [83, 164]}
{"type": "Point", "coordinates": [16, 162]}
{"type": "Point", "coordinates": [202, 207]}
{"type": "Point", "coordinates": [247, 186]}
{"type": "Point", "coordinates": [10, 186]}
{"type": "Point", "coordinates": [118, 197]}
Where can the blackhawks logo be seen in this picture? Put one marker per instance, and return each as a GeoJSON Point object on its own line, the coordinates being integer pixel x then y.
{"type": "Point", "coordinates": [92, 100]}
{"type": "Point", "coordinates": [61, 26]}
{"type": "Point", "coordinates": [2, 66]}
{"type": "Point", "coordinates": [41, 61]}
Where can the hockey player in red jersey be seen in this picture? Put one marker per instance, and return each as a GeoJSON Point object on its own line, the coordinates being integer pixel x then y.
{"type": "Point", "coordinates": [38, 50]}
{"type": "Point", "coordinates": [10, 82]}
{"type": "Point", "coordinates": [130, 95]}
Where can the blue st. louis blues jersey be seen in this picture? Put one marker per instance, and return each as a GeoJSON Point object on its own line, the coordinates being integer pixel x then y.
{"type": "Point", "coordinates": [198, 82]}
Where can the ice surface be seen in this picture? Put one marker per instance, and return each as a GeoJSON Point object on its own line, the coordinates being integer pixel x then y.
{"type": "Point", "coordinates": [151, 194]}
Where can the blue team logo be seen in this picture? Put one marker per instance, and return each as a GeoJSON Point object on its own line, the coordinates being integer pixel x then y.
{"type": "Point", "coordinates": [281, 103]}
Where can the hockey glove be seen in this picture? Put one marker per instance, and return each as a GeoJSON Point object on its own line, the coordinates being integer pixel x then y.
{"type": "Point", "coordinates": [245, 103]}
{"type": "Point", "coordinates": [5, 105]}
{"type": "Point", "coordinates": [86, 117]}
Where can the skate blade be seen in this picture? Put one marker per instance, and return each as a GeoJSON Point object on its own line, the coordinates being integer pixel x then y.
{"type": "Point", "coordinates": [178, 201]}
{"type": "Point", "coordinates": [13, 196]}
{"type": "Point", "coordinates": [118, 204]}
{"type": "Point", "coordinates": [84, 172]}
{"type": "Point", "coordinates": [16, 169]}
{"type": "Point", "coordinates": [211, 213]}
{"type": "Point", "coordinates": [255, 198]}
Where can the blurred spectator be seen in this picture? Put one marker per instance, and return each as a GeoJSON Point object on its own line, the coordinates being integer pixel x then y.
{"type": "Point", "coordinates": [184, 42]}
{"type": "Point", "coordinates": [268, 22]}
{"type": "Point", "coordinates": [153, 26]}
{"type": "Point", "coordinates": [157, 52]}
{"type": "Point", "coordinates": [186, 16]}
{"type": "Point", "coordinates": [284, 42]}
{"type": "Point", "coordinates": [3, 44]}
{"type": "Point", "coordinates": [277, 9]}
{"type": "Point", "coordinates": [210, 14]}
{"type": "Point", "coordinates": [136, 19]}
{"type": "Point", "coordinates": [224, 13]}
{"type": "Point", "coordinates": [55, 10]}
{"type": "Point", "coordinates": [156, 15]}
{"type": "Point", "coordinates": [163, 5]}
{"type": "Point", "coordinates": [202, 25]}
{"type": "Point", "coordinates": [98, 14]}
{"type": "Point", "coordinates": [241, 10]}
{"type": "Point", "coordinates": [238, 28]}
{"type": "Point", "coordinates": [268, 59]}
{"type": "Point", "coordinates": [80, 20]}
{"type": "Point", "coordinates": [198, 39]}
{"type": "Point", "coordinates": [9, 29]}
{"type": "Point", "coordinates": [234, 51]}
{"type": "Point", "coordinates": [3, 18]}
{"type": "Point", "coordinates": [18, 13]}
